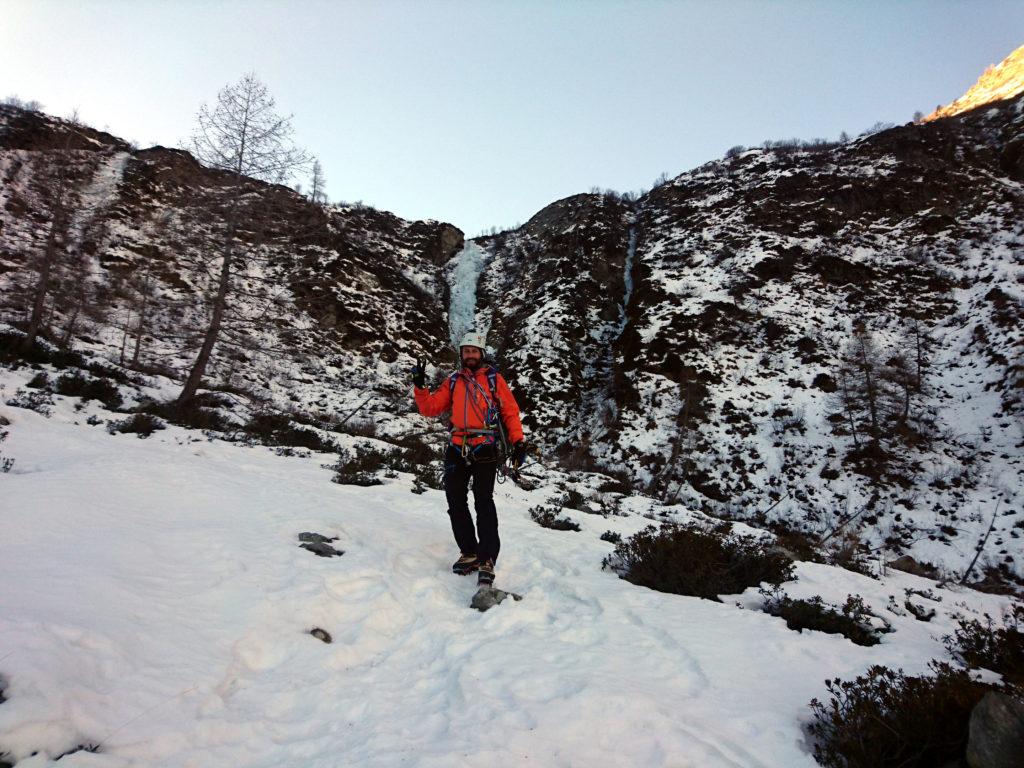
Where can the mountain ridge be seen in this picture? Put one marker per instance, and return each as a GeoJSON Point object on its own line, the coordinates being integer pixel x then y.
{"type": "Point", "coordinates": [998, 82]}
{"type": "Point", "coordinates": [689, 341]}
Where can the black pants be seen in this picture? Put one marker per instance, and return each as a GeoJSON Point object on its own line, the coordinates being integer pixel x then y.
{"type": "Point", "coordinates": [482, 468]}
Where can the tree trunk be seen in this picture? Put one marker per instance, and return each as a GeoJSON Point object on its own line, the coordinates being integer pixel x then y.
{"type": "Point", "coordinates": [140, 329]}
{"type": "Point", "coordinates": [195, 377]}
{"type": "Point", "coordinates": [124, 337]}
{"type": "Point", "coordinates": [847, 402]}
{"type": "Point", "coordinates": [43, 286]}
{"type": "Point", "coordinates": [58, 186]}
{"type": "Point", "coordinates": [69, 329]}
{"type": "Point", "coordinates": [867, 365]}
{"type": "Point", "coordinates": [919, 349]}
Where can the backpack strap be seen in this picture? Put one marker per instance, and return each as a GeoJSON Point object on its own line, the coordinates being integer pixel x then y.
{"type": "Point", "coordinates": [492, 384]}
{"type": "Point", "coordinates": [493, 415]}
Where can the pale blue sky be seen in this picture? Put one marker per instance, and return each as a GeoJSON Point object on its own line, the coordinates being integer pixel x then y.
{"type": "Point", "coordinates": [480, 113]}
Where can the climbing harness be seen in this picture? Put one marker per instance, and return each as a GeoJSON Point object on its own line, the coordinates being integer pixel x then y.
{"type": "Point", "coordinates": [496, 437]}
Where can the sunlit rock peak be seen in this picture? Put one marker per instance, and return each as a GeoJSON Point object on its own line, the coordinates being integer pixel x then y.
{"type": "Point", "coordinates": [1000, 81]}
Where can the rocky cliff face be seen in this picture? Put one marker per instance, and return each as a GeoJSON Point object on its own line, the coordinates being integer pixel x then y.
{"type": "Point", "coordinates": [552, 297]}
{"type": "Point", "coordinates": [325, 299]}
{"type": "Point", "coordinates": [711, 367]}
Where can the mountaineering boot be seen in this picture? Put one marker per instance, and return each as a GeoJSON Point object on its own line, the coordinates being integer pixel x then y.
{"type": "Point", "coordinates": [486, 575]}
{"type": "Point", "coordinates": [465, 564]}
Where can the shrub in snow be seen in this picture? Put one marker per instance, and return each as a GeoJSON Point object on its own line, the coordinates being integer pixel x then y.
{"type": "Point", "coordinates": [548, 517]}
{"type": "Point", "coordinates": [40, 402]}
{"type": "Point", "coordinates": [919, 612]}
{"type": "Point", "coordinates": [39, 381]}
{"type": "Point", "coordinates": [418, 453]}
{"type": "Point", "coordinates": [430, 476]}
{"type": "Point", "coordinates": [698, 560]}
{"type": "Point", "coordinates": [77, 385]}
{"type": "Point", "coordinates": [141, 424]}
{"type": "Point", "coordinates": [617, 483]}
{"type": "Point", "coordinates": [357, 428]}
{"type": "Point", "coordinates": [987, 646]}
{"type": "Point", "coordinates": [612, 537]}
{"type": "Point", "coordinates": [574, 500]}
{"type": "Point", "coordinates": [359, 467]}
{"type": "Point", "coordinates": [793, 542]}
{"type": "Point", "coordinates": [214, 400]}
{"type": "Point", "coordinates": [6, 465]}
{"type": "Point", "coordinates": [852, 620]}
{"type": "Point", "coordinates": [848, 551]}
{"type": "Point", "coordinates": [885, 718]}
{"type": "Point", "coordinates": [13, 351]}
{"type": "Point", "coordinates": [278, 429]}
{"type": "Point", "coordinates": [190, 416]}
{"type": "Point", "coordinates": [284, 450]}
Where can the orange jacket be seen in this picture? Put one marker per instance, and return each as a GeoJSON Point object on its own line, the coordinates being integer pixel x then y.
{"type": "Point", "coordinates": [469, 403]}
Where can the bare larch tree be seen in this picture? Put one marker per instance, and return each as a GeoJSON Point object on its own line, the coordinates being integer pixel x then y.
{"type": "Point", "coordinates": [244, 135]}
{"type": "Point", "coordinates": [317, 184]}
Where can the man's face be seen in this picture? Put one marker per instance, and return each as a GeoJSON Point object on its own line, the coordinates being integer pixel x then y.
{"type": "Point", "coordinates": [471, 357]}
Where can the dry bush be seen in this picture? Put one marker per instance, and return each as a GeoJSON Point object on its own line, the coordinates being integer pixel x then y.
{"type": "Point", "coordinates": [850, 620]}
{"type": "Point", "coordinates": [987, 646]}
{"type": "Point", "coordinates": [548, 517]}
{"type": "Point", "coordinates": [698, 560]}
{"type": "Point", "coordinates": [885, 719]}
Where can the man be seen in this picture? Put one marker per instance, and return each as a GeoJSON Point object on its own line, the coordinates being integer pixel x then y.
{"type": "Point", "coordinates": [477, 397]}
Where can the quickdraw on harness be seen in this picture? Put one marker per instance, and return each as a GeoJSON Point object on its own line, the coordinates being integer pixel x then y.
{"type": "Point", "coordinates": [493, 431]}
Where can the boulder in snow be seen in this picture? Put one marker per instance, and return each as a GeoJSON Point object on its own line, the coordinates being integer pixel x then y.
{"type": "Point", "coordinates": [996, 737]}
{"type": "Point", "coordinates": [488, 597]}
{"type": "Point", "coordinates": [321, 634]}
{"type": "Point", "coordinates": [319, 544]}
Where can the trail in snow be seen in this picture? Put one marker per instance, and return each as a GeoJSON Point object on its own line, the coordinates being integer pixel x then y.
{"type": "Point", "coordinates": [155, 600]}
{"type": "Point", "coordinates": [463, 274]}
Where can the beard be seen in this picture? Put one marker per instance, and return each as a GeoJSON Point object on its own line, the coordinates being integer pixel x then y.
{"type": "Point", "coordinates": [471, 362]}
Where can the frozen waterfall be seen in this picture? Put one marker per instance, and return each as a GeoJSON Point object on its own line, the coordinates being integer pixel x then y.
{"type": "Point", "coordinates": [463, 273]}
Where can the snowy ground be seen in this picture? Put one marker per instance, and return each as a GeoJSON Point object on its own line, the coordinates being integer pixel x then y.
{"type": "Point", "coordinates": [155, 602]}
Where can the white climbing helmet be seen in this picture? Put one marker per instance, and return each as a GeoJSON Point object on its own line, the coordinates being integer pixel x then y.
{"type": "Point", "coordinates": [474, 339]}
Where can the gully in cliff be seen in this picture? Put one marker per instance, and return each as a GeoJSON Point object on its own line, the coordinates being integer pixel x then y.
{"type": "Point", "coordinates": [484, 423]}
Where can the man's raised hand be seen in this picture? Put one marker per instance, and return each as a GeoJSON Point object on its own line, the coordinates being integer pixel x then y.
{"type": "Point", "coordinates": [419, 373]}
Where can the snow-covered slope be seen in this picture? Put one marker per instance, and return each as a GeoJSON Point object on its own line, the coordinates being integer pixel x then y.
{"type": "Point", "coordinates": [326, 302]}
{"type": "Point", "coordinates": [689, 341]}
{"type": "Point", "coordinates": [749, 278]}
{"type": "Point", "coordinates": [155, 604]}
